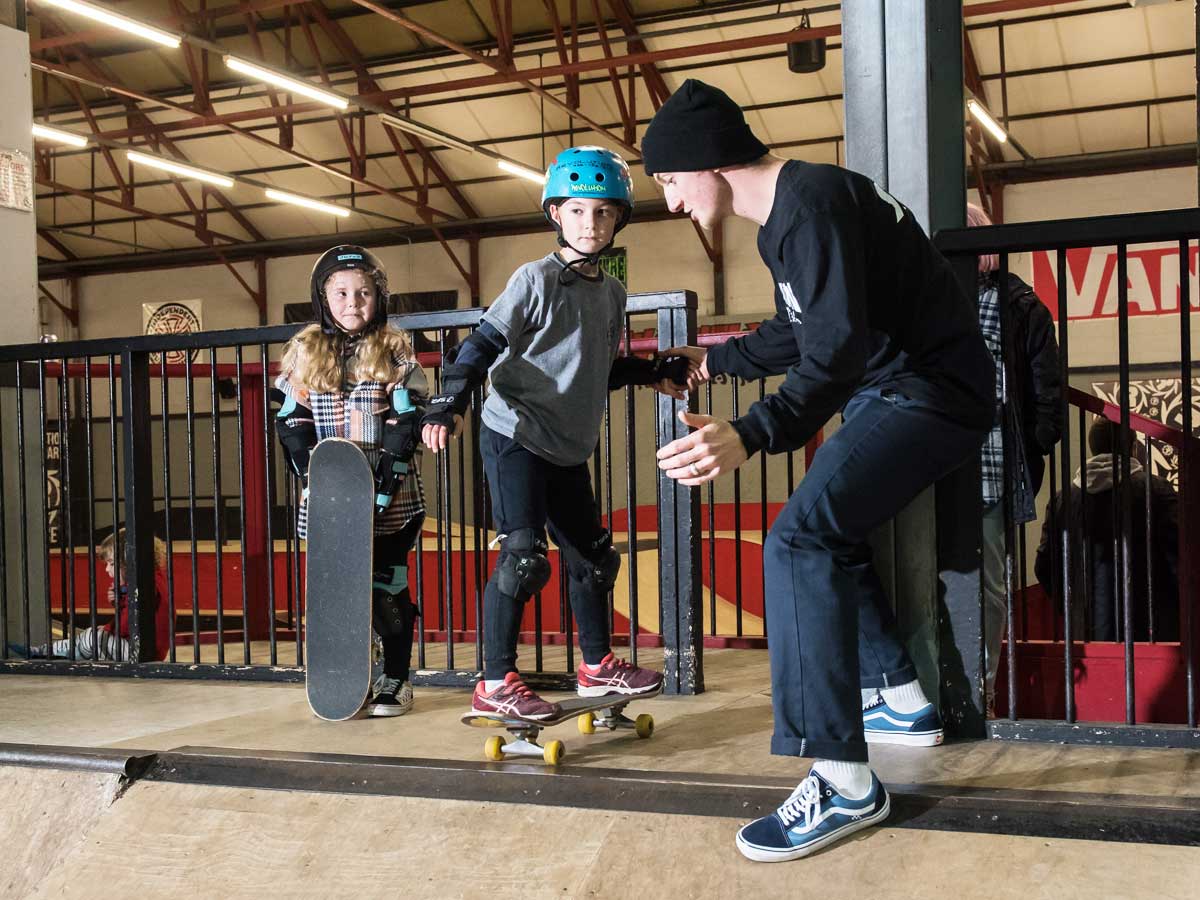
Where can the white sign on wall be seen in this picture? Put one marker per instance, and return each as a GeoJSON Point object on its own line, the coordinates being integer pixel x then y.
{"type": "Point", "coordinates": [174, 317]}
{"type": "Point", "coordinates": [16, 180]}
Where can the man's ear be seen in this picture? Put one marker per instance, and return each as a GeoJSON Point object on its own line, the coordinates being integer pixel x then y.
{"type": "Point", "coordinates": [553, 207]}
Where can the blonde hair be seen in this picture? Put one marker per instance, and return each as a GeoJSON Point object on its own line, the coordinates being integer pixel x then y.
{"type": "Point", "coordinates": [107, 550]}
{"type": "Point", "coordinates": [312, 360]}
{"type": "Point", "coordinates": [977, 218]}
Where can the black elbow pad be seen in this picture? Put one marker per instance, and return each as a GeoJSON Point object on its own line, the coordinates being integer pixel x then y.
{"type": "Point", "coordinates": [297, 432]}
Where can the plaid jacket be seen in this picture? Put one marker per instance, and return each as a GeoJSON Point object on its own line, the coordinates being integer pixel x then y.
{"type": "Point", "coordinates": [357, 415]}
{"type": "Point", "coordinates": [992, 457]}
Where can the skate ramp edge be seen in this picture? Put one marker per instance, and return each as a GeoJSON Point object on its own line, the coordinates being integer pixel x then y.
{"type": "Point", "coordinates": [52, 800]}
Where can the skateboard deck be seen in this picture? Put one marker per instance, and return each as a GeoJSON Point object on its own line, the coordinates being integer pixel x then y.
{"type": "Point", "coordinates": [589, 714]}
{"type": "Point", "coordinates": [341, 524]}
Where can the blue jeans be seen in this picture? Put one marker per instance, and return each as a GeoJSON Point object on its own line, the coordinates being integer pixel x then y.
{"type": "Point", "coordinates": [830, 623]}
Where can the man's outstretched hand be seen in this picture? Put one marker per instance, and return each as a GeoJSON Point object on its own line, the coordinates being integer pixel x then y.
{"type": "Point", "coordinates": [713, 449]}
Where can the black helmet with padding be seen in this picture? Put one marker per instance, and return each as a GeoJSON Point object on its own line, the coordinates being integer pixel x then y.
{"type": "Point", "coordinates": [340, 258]}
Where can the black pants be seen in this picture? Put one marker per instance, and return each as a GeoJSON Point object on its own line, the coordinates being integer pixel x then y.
{"type": "Point", "coordinates": [530, 492]}
{"type": "Point", "coordinates": [832, 630]}
{"type": "Point", "coordinates": [394, 614]}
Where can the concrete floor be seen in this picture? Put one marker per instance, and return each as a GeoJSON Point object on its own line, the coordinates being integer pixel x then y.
{"type": "Point", "coordinates": [174, 840]}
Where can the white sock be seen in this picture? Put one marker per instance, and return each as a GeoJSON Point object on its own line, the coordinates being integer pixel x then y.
{"type": "Point", "coordinates": [852, 779]}
{"type": "Point", "coordinates": [868, 694]}
{"type": "Point", "coordinates": [905, 698]}
{"type": "Point", "coordinates": [490, 686]}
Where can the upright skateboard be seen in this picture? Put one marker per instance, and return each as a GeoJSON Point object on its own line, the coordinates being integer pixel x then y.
{"type": "Point", "coordinates": [589, 713]}
{"type": "Point", "coordinates": [341, 525]}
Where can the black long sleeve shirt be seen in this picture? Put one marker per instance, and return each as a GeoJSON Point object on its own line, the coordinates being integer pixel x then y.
{"type": "Point", "coordinates": [862, 299]}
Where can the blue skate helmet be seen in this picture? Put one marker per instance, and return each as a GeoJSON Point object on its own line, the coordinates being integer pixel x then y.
{"type": "Point", "coordinates": [589, 172]}
{"type": "Point", "coordinates": [595, 172]}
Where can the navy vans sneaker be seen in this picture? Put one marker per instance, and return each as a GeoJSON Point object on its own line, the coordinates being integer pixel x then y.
{"type": "Point", "coordinates": [815, 816]}
{"type": "Point", "coordinates": [884, 725]}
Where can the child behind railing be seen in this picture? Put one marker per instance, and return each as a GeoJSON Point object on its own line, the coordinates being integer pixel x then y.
{"type": "Point", "coordinates": [111, 642]}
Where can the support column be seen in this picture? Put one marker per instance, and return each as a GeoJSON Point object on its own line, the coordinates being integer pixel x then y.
{"type": "Point", "coordinates": [18, 249]}
{"type": "Point", "coordinates": [23, 601]}
{"type": "Point", "coordinates": [903, 74]}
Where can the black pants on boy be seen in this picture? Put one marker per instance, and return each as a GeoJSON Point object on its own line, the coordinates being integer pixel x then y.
{"type": "Point", "coordinates": [530, 494]}
{"type": "Point", "coordinates": [393, 612]}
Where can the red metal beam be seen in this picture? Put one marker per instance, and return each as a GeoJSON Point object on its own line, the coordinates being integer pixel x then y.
{"type": "Point", "coordinates": [975, 84]}
{"type": "Point", "coordinates": [122, 91]}
{"type": "Point", "coordinates": [197, 64]}
{"type": "Point", "coordinates": [502, 16]}
{"type": "Point", "coordinates": [113, 168]}
{"type": "Point", "coordinates": [284, 122]}
{"type": "Point", "coordinates": [518, 77]}
{"type": "Point", "coordinates": [56, 243]}
{"type": "Point", "coordinates": [357, 164]}
{"type": "Point", "coordinates": [565, 69]}
{"type": "Point", "coordinates": [346, 46]}
{"type": "Point", "coordinates": [629, 124]}
{"type": "Point", "coordinates": [528, 76]}
{"type": "Point", "coordinates": [130, 208]}
{"type": "Point", "coordinates": [655, 85]}
{"type": "Point", "coordinates": [71, 314]}
{"type": "Point", "coordinates": [560, 42]}
{"type": "Point", "coordinates": [259, 295]}
{"type": "Point", "coordinates": [154, 135]}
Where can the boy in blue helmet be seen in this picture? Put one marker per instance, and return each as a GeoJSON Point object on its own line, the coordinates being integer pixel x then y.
{"type": "Point", "coordinates": [549, 345]}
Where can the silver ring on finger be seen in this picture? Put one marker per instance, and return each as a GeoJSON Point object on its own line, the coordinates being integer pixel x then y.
{"type": "Point", "coordinates": [695, 470]}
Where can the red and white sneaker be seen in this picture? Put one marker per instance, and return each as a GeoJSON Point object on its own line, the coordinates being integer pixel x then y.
{"type": "Point", "coordinates": [616, 676]}
{"type": "Point", "coordinates": [512, 699]}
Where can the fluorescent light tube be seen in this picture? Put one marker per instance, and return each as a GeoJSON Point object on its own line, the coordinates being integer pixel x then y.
{"type": "Point", "coordinates": [221, 181]}
{"type": "Point", "coordinates": [307, 203]}
{"type": "Point", "coordinates": [270, 76]}
{"type": "Point", "coordinates": [103, 16]}
{"type": "Point", "coordinates": [63, 137]}
{"type": "Point", "coordinates": [985, 119]}
{"type": "Point", "coordinates": [521, 171]}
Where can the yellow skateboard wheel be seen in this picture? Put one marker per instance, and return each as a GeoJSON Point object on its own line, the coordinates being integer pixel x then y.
{"type": "Point", "coordinates": [586, 723]}
{"type": "Point", "coordinates": [493, 748]}
{"type": "Point", "coordinates": [643, 725]}
{"type": "Point", "coordinates": [553, 753]}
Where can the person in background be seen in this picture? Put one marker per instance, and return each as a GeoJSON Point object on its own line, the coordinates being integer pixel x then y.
{"type": "Point", "coordinates": [1019, 333]}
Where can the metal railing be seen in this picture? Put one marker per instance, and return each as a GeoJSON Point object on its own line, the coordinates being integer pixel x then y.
{"type": "Point", "coordinates": [1038, 703]}
{"type": "Point", "coordinates": [171, 437]}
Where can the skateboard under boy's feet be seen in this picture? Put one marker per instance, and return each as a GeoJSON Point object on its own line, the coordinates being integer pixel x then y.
{"type": "Point", "coordinates": [589, 713]}
{"type": "Point", "coordinates": [337, 633]}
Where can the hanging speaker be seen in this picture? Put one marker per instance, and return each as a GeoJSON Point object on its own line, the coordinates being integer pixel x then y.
{"type": "Point", "coordinates": [805, 57]}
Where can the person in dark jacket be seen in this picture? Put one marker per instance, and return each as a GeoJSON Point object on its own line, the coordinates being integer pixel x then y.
{"type": "Point", "coordinates": [1028, 367]}
{"type": "Point", "coordinates": [870, 320]}
{"type": "Point", "coordinates": [1095, 509]}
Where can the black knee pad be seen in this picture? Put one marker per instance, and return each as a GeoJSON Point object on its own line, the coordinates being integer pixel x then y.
{"type": "Point", "coordinates": [523, 568]}
{"type": "Point", "coordinates": [392, 610]}
{"type": "Point", "coordinates": [599, 569]}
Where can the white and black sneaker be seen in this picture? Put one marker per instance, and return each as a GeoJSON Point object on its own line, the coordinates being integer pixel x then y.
{"type": "Point", "coordinates": [392, 697]}
{"type": "Point", "coordinates": [814, 816]}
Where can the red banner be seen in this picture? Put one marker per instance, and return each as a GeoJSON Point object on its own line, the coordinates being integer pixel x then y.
{"type": "Point", "coordinates": [1153, 281]}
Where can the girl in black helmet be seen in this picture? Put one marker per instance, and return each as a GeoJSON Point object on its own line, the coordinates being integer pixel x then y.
{"type": "Point", "coordinates": [350, 375]}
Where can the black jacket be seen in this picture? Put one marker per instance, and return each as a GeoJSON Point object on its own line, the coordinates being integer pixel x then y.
{"type": "Point", "coordinates": [1035, 383]}
{"type": "Point", "coordinates": [862, 299]}
{"type": "Point", "coordinates": [1092, 532]}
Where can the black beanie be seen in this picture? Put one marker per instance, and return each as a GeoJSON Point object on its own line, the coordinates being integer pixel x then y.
{"type": "Point", "coordinates": [698, 128]}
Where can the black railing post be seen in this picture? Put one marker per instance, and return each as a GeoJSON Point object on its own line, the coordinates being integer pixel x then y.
{"type": "Point", "coordinates": [139, 504]}
{"type": "Point", "coordinates": [679, 547]}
